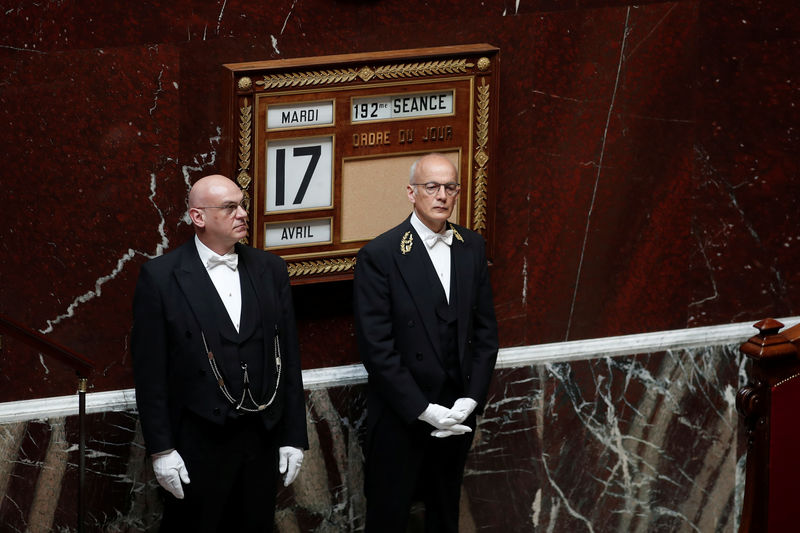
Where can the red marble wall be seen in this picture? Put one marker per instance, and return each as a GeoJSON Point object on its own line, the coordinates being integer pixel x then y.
{"type": "Point", "coordinates": [647, 159]}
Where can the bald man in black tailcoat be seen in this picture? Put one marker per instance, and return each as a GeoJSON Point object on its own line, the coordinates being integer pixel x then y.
{"type": "Point", "coordinates": [217, 371]}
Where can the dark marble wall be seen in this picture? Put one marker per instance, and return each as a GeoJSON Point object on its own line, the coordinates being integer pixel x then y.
{"type": "Point", "coordinates": [646, 161]}
{"type": "Point", "coordinates": [637, 444]}
{"type": "Point", "coordinates": [648, 155]}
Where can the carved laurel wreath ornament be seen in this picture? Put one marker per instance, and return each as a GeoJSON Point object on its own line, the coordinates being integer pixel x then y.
{"type": "Point", "coordinates": [366, 73]}
{"type": "Point", "coordinates": [481, 158]}
{"type": "Point", "coordinates": [245, 134]}
{"type": "Point", "coordinates": [325, 266]}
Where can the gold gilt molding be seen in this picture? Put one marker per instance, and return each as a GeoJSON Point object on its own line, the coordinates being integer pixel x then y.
{"type": "Point", "coordinates": [481, 158]}
{"type": "Point", "coordinates": [327, 266]}
{"type": "Point", "coordinates": [385, 72]}
{"type": "Point", "coordinates": [300, 79]}
{"type": "Point", "coordinates": [245, 134]}
{"type": "Point", "coordinates": [428, 68]}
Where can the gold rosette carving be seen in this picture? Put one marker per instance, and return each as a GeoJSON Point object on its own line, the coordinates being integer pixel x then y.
{"type": "Point", "coordinates": [245, 83]}
{"type": "Point", "coordinates": [366, 73]}
{"type": "Point", "coordinates": [244, 179]}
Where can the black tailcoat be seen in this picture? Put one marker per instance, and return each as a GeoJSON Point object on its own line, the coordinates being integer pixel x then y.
{"type": "Point", "coordinates": [175, 301]}
{"type": "Point", "coordinates": [399, 338]}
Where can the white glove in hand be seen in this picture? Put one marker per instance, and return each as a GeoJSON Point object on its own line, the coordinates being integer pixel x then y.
{"type": "Point", "coordinates": [443, 418]}
{"type": "Point", "coordinates": [463, 408]}
{"type": "Point", "coordinates": [442, 433]}
{"type": "Point", "coordinates": [170, 471]}
{"type": "Point", "coordinates": [291, 459]}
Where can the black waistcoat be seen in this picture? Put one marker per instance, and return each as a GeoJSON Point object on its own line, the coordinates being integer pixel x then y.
{"type": "Point", "coordinates": [447, 318]}
{"type": "Point", "coordinates": [245, 346]}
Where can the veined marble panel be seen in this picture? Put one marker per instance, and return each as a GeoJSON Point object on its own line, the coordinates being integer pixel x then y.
{"type": "Point", "coordinates": [636, 443]}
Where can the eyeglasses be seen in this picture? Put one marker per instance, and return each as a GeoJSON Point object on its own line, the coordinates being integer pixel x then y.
{"type": "Point", "coordinates": [431, 187]}
{"type": "Point", "coordinates": [231, 208]}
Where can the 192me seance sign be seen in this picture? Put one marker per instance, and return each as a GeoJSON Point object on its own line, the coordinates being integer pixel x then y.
{"type": "Point", "coordinates": [323, 146]}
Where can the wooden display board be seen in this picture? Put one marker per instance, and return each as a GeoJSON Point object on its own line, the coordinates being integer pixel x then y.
{"type": "Point", "coordinates": [323, 146]}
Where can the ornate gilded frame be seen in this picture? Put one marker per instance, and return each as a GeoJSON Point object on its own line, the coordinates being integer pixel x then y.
{"type": "Point", "coordinates": [469, 72]}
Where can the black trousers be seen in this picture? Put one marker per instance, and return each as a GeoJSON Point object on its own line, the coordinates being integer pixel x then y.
{"type": "Point", "coordinates": [406, 464]}
{"type": "Point", "coordinates": [233, 471]}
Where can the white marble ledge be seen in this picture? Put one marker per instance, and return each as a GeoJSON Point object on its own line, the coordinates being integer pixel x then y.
{"type": "Point", "coordinates": [320, 378]}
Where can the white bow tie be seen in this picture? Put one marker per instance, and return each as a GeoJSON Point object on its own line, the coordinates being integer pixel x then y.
{"type": "Point", "coordinates": [446, 237]}
{"type": "Point", "coordinates": [229, 260]}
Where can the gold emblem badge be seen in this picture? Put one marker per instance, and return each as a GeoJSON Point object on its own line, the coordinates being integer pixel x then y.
{"type": "Point", "coordinates": [456, 234]}
{"type": "Point", "coordinates": [406, 242]}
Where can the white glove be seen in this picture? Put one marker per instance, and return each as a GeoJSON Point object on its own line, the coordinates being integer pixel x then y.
{"type": "Point", "coordinates": [463, 408]}
{"type": "Point", "coordinates": [443, 418]}
{"type": "Point", "coordinates": [291, 459]}
{"type": "Point", "coordinates": [170, 471]}
{"type": "Point", "coordinates": [442, 433]}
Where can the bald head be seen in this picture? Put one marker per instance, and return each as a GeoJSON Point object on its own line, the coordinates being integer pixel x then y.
{"type": "Point", "coordinates": [209, 189]}
{"type": "Point", "coordinates": [218, 214]}
{"type": "Point", "coordinates": [421, 166]}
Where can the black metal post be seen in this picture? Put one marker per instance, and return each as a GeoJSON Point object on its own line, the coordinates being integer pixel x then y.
{"type": "Point", "coordinates": [81, 452]}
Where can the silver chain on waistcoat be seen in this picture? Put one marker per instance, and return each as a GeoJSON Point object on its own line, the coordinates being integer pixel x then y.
{"type": "Point", "coordinates": [246, 394]}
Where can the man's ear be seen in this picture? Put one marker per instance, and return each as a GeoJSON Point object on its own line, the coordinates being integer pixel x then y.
{"type": "Point", "coordinates": [410, 191]}
{"type": "Point", "coordinates": [197, 216]}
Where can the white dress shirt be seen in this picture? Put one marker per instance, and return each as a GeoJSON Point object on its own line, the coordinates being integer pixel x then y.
{"type": "Point", "coordinates": [439, 253]}
{"type": "Point", "coordinates": [226, 281]}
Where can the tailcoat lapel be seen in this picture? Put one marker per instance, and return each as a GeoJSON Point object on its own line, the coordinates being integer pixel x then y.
{"type": "Point", "coordinates": [263, 283]}
{"type": "Point", "coordinates": [412, 267]}
{"type": "Point", "coordinates": [198, 289]}
{"type": "Point", "coordinates": [269, 305]}
{"type": "Point", "coordinates": [461, 256]}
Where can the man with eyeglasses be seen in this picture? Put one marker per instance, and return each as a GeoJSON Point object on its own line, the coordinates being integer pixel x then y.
{"type": "Point", "coordinates": [427, 335]}
{"type": "Point", "coordinates": [217, 371]}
